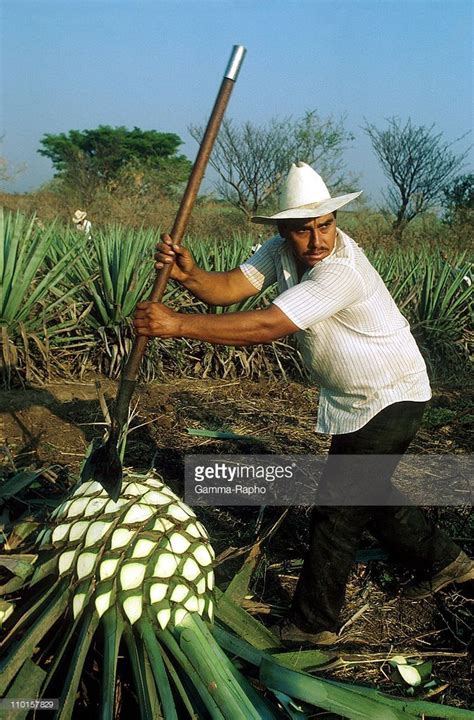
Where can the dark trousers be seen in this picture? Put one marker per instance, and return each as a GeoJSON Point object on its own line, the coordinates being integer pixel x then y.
{"type": "Point", "coordinates": [335, 531]}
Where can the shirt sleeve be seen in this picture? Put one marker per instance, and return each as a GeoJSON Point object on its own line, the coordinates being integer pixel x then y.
{"type": "Point", "coordinates": [328, 291]}
{"type": "Point", "coordinates": [260, 269]}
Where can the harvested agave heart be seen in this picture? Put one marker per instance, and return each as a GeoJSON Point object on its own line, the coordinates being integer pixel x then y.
{"type": "Point", "coordinates": [146, 549]}
{"type": "Point", "coordinates": [132, 579]}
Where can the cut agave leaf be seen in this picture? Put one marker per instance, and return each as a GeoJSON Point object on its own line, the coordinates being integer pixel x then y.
{"type": "Point", "coordinates": [131, 575]}
{"type": "Point", "coordinates": [133, 608]}
{"type": "Point", "coordinates": [66, 560]}
{"type": "Point", "coordinates": [78, 529]}
{"type": "Point", "coordinates": [398, 660]}
{"type": "Point", "coordinates": [166, 565]}
{"type": "Point", "coordinates": [424, 669]}
{"type": "Point", "coordinates": [96, 532]}
{"type": "Point", "coordinates": [202, 555]}
{"type": "Point", "coordinates": [78, 603]}
{"type": "Point", "coordinates": [94, 506]}
{"type": "Point", "coordinates": [77, 507]}
{"type": "Point", "coordinates": [191, 569]}
{"type": "Point", "coordinates": [135, 489]}
{"type": "Point", "coordinates": [86, 563]}
{"type": "Point", "coordinates": [153, 497]}
{"type": "Point", "coordinates": [192, 604]}
{"type": "Point", "coordinates": [163, 616]}
{"type": "Point", "coordinates": [6, 609]}
{"type": "Point", "coordinates": [410, 674]}
{"type": "Point", "coordinates": [158, 592]}
{"type": "Point", "coordinates": [121, 538]}
{"type": "Point", "coordinates": [138, 513]}
{"type": "Point", "coordinates": [60, 532]}
{"type": "Point", "coordinates": [177, 543]}
{"type": "Point", "coordinates": [103, 602]}
{"type": "Point", "coordinates": [180, 592]}
{"type": "Point", "coordinates": [108, 567]}
{"type": "Point", "coordinates": [163, 524]}
{"type": "Point", "coordinates": [177, 512]}
{"type": "Point", "coordinates": [143, 548]}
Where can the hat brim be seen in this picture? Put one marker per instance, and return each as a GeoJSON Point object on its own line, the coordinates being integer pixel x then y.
{"type": "Point", "coordinates": [322, 208]}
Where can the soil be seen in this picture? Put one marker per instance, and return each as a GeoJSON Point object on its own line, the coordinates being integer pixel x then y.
{"type": "Point", "coordinates": [52, 425]}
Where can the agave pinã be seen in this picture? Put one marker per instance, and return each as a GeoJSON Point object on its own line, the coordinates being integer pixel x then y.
{"type": "Point", "coordinates": [142, 568]}
{"type": "Point", "coordinates": [146, 548]}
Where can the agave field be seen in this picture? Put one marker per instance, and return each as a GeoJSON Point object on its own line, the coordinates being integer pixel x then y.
{"type": "Point", "coordinates": [66, 304]}
{"type": "Point", "coordinates": [120, 609]}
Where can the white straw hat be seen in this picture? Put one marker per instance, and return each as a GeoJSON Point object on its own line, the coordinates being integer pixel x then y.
{"type": "Point", "coordinates": [305, 195]}
{"type": "Point", "coordinates": [79, 216]}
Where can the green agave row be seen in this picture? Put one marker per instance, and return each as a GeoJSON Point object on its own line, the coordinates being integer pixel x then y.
{"type": "Point", "coordinates": [67, 302]}
{"type": "Point", "coordinates": [148, 547]}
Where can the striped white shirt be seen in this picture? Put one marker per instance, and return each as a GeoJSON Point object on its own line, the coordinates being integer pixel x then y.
{"type": "Point", "coordinates": [355, 342]}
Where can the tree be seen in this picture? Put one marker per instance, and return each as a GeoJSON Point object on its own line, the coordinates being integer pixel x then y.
{"type": "Point", "coordinates": [459, 199]}
{"type": "Point", "coordinates": [251, 160]}
{"type": "Point", "coordinates": [418, 162]}
{"type": "Point", "coordinates": [100, 158]}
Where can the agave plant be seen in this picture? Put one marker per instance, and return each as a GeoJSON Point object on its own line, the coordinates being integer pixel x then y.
{"type": "Point", "coordinates": [30, 312]}
{"type": "Point", "coordinates": [436, 297]}
{"type": "Point", "coordinates": [114, 272]}
{"type": "Point", "coordinates": [142, 568]}
{"type": "Point", "coordinates": [399, 272]}
{"type": "Point", "coordinates": [443, 313]}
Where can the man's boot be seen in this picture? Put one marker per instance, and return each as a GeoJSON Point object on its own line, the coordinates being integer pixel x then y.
{"type": "Point", "coordinates": [459, 571]}
{"type": "Point", "coordinates": [290, 634]}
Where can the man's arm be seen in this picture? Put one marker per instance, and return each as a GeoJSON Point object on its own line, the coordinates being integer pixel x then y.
{"type": "Point", "coordinates": [219, 288]}
{"type": "Point", "coordinates": [241, 328]}
{"type": "Point", "coordinates": [213, 288]}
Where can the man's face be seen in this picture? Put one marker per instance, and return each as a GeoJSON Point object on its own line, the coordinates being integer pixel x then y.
{"type": "Point", "coordinates": [310, 240]}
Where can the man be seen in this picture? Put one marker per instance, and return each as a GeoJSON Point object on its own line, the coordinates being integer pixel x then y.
{"type": "Point", "coordinates": [373, 389]}
{"type": "Point", "coordinates": [82, 224]}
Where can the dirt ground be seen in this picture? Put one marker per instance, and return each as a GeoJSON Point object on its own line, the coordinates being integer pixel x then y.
{"type": "Point", "coordinates": [53, 425]}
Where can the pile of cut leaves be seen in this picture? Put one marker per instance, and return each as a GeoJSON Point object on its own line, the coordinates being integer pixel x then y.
{"type": "Point", "coordinates": [109, 608]}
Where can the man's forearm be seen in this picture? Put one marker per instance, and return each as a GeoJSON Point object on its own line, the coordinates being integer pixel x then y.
{"type": "Point", "coordinates": [240, 328]}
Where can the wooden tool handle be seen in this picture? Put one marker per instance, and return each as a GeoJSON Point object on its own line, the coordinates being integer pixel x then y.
{"type": "Point", "coordinates": [130, 372]}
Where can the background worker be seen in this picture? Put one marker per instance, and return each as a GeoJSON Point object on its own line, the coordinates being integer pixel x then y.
{"type": "Point", "coordinates": [373, 389]}
{"type": "Point", "coordinates": [82, 223]}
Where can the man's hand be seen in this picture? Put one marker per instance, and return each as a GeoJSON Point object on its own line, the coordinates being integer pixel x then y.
{"type": "Point", "coordinates": [213, 288]}
{"type": "Point", "coordinates": [156, 320]}
{"type": "Point", "coordinates": [167, 252]}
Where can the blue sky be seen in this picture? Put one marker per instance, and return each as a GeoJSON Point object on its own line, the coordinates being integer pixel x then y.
{"type": "Point", "coordinates": [75, 64]}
